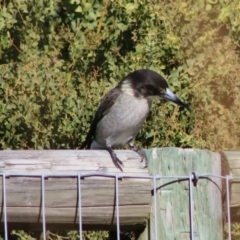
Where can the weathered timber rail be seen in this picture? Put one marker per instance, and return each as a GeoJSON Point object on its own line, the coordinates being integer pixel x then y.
{"type": "Point", "coordinates": [23, 171]}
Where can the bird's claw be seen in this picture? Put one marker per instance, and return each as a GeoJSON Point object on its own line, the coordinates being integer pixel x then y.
{"type": "Point", "coordinates": [118, 163]}
{"type": "Point", "coordinates": [145, 160]}
{"type": "Point", "coordinates": [140, 152]}
{"type": "Point", "coordinates": [143, 156]}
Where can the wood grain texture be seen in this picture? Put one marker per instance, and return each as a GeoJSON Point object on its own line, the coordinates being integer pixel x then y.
{"type": "Point", "coordinates": [68, 161]}
{"type": "Point", "coordinates": [173, 220]}
{"type": "Point", "coordinates": [61, 199]}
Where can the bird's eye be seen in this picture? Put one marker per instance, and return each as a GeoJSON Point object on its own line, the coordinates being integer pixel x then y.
{"type": "Point", "coordinates": [162, 90]}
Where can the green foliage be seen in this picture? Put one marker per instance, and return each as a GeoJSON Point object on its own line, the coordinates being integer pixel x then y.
{"type": "Point", "coordinates": [58, 58]}
{"type": "Point", "coordinates": [92, 235]}
{"type": "Point", "coordinates": [71, 235]}
{"type": "Point", "coordinates": [21, 235]}
{"type": "Point", "coordinates": [235, 231]}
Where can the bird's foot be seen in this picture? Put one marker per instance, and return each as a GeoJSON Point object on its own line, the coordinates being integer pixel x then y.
{"type": "Point", "coordinates": [140, 152]}
{"type": "Point", "coordinates": [118, 163]}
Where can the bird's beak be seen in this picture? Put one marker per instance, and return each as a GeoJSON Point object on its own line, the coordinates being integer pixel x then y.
{"type": "Point", "coordinates": [170, 96]}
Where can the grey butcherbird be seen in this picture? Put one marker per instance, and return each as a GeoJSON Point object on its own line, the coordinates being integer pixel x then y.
{"type": "Point", "coordinates": [123, 110]}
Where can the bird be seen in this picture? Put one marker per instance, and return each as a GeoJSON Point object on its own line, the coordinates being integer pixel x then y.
{"type": "Point", "coordinates": [123, 110]}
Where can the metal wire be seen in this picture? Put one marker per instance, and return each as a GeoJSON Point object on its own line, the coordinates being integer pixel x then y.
{"type": "Point", "coordinates": [110, 175]}
{"type": "Point", "coordinates": [228, 207]}
{"type": "Point", "coordinates": [191, 207]}
{"type": "Point", "coordinates": [117, 176]}
{"type": "Point", "coordinates": [80, 206]}
{"type": "Point", "coordinates": [43, 206]}
{"type": "Point", "coordinates": [93, 174]}
{"type": "Point", "coordinates": [117, 207]}
{"type": "Point", "coordinates": [5, 206]}
{"type": "Point", "coordinates": [155, 206]}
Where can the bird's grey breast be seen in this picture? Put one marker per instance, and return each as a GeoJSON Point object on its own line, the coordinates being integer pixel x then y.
{"type": "Point", "coordinates": [123, 120]}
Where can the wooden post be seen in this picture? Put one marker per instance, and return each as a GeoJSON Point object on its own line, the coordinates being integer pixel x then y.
{"type": "Point", "coordinates": [173, 220]}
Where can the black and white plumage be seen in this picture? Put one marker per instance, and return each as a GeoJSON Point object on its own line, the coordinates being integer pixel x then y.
{"type": "Point", "coordinates": [123, 111]}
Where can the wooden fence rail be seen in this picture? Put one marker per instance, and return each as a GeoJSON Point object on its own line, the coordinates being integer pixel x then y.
{"type": "Point", "coordinates": [24, 193]}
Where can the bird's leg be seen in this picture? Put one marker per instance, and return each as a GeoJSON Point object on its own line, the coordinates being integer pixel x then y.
{"type": "Point", "coordinates": [139, 152]}
{"type": "Point", "coordinates": [118, 163]}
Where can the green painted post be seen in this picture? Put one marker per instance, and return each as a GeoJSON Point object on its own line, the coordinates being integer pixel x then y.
{"type": "Point", "coordinates": [173, 220]}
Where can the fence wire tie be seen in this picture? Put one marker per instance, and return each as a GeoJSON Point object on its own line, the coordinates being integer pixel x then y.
{"type": "Point", "coordinates": [195, 178]}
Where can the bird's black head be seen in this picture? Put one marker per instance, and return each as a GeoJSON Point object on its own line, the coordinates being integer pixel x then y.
{"type": "Point", "coordinates": [148, 84]}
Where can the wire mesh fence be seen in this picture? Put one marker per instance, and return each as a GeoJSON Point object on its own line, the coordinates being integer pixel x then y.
{"type": "Point", "coordinates": [192, 179]}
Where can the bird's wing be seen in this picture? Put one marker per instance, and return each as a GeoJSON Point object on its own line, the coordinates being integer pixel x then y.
{"type": "Point", "coordinates": [102, 110]}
